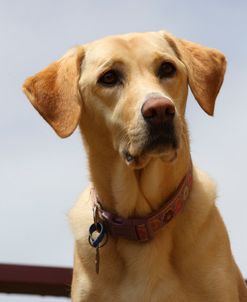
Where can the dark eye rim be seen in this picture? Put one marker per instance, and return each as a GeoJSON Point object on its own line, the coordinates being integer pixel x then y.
{"type": "Point", "coordinates": [166, 74]}
{"type": "Point", "coordinates": [117, 80]}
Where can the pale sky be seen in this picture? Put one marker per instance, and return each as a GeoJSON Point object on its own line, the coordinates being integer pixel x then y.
{"type": "Point", "coordinates": [41, 175]}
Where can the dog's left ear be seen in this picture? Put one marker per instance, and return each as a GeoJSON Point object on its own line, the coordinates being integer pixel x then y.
{"type": "Point", "coordinates": [206, 68]}
{"type": "Point", "coordinates": [55, 94]}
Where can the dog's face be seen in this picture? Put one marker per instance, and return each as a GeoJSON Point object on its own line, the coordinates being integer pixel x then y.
{"type": "Point", "coordinates": [134, 87]}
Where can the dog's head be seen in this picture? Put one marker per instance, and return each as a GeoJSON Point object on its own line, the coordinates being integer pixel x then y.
{"type": "Point", "coordinates": [131, 89]}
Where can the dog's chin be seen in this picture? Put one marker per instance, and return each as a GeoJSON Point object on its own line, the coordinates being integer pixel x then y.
{"type": "Point", "coordinates": [138, 160]}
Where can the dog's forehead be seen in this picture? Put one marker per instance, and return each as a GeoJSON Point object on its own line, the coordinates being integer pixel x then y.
{"type": "Point", "coordinates": [135, 45]}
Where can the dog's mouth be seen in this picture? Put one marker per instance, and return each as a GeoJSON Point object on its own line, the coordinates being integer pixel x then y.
{"type": "Point", "coordinates": [162, 143]}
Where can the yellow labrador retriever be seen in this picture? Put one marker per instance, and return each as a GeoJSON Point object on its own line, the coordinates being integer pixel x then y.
{"type": "Point", "coordinates": [147, 228]}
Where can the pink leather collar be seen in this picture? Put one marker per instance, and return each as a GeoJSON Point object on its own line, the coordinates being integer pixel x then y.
{"type": "Point", "coordinates": [143, 229]}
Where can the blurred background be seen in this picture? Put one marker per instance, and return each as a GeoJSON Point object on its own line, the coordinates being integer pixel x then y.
{"type": "Point", "coordinates": [41, 175]}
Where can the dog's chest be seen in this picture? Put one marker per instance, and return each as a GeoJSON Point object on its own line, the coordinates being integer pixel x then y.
{"type": "Point", "coordinates": [146, 273]}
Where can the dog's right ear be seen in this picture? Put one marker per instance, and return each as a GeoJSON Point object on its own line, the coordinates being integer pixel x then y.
{"type": "Point", "coordinates": [55, 94]}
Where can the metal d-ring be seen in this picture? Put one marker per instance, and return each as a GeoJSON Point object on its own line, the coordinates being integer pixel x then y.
{"type": "Point", "coordinates": [101, 235]}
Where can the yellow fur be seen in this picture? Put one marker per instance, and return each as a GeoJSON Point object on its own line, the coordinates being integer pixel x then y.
{"type": "Point", "coordinates": [190, 259]}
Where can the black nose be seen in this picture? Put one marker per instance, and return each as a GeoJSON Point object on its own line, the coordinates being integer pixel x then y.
{"type": "Point", "coordinates": [156, 111]}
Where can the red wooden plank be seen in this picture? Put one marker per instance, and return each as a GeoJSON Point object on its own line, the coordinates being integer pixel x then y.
{"type": "Point", "coordinates": [38, 280]}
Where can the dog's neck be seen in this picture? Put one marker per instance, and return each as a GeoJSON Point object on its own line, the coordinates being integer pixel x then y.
{"type": "Point", "coordinates": [130, 192]}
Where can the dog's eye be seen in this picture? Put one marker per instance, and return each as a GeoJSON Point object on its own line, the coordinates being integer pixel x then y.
{"type": "Point", "coordinates": [110, 78]}
{"type": "Point", "coordinates": [166, 70]}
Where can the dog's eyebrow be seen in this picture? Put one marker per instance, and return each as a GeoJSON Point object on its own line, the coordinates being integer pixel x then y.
{"type": "Point", "coordinates": [160, 56]}
{"type": "Point", "coordinates": [110, 64]}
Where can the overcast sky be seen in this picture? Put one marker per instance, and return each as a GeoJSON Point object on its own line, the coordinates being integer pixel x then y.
{"type": "Point", "coordinates": [42, 175]}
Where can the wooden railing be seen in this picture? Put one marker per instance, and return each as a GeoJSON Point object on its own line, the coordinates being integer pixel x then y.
{"type": "Point", "coordinates": [35, 280]}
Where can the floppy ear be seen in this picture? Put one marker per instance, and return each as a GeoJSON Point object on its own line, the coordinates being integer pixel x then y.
{"type": "Point", "coordinates": [54, 92]}
{"type": "Point", "coordinates": [206, 68]}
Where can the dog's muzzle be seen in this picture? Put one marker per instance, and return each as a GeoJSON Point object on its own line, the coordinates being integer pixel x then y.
{"type": "Point", "coordinates": [157, 111]}
{"type": "Point", "coordinates": [156, 134]}
{"type": "Point", "coordinates": [158, 114]}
